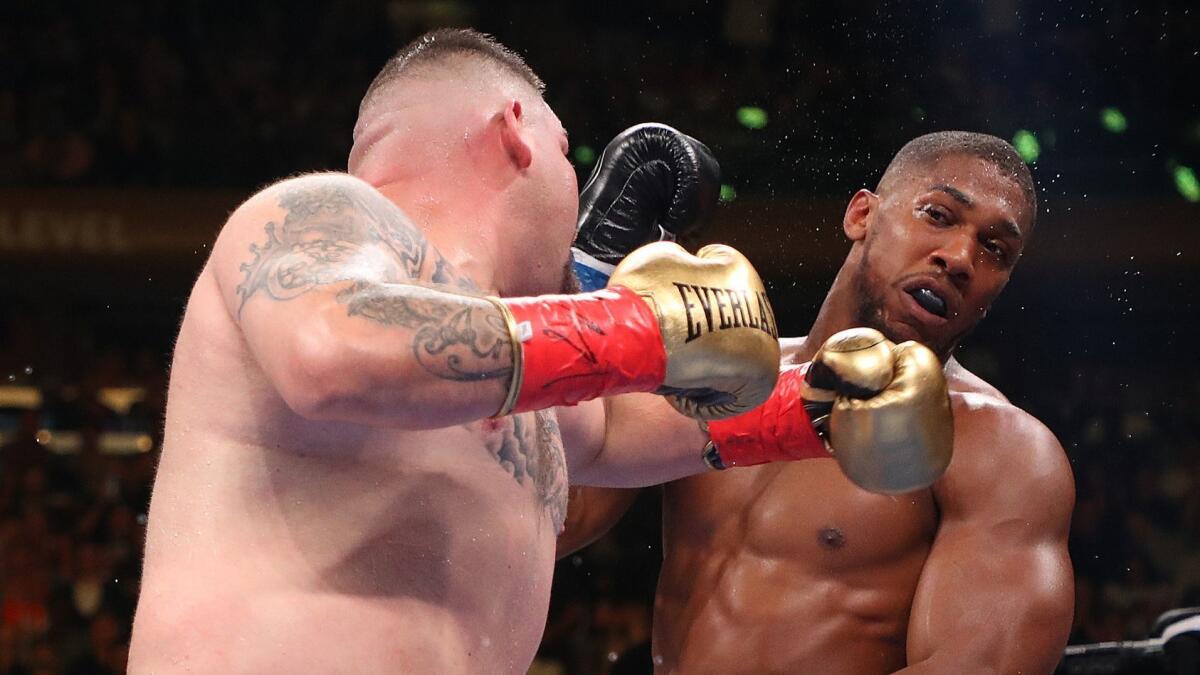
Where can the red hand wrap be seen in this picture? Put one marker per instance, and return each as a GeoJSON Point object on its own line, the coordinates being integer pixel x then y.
{"type": "Point", "coordinates": [779, 429]}
{"type": "Point", "coordinates": [580, 347]}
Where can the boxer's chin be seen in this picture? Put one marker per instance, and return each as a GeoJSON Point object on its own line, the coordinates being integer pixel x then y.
{"type": "Point", "coordinates": [871, 310]}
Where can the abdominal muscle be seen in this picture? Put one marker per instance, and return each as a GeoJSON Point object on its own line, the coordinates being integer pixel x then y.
{"type": "Point", "coordinates": [787, 568]}
{"type": "Point", "coordinates": [759, 615]}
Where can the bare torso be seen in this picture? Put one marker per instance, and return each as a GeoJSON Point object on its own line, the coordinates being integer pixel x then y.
{"type": "Point", "coordinates": [278, 544]}
{"type": "Point", "coordinates": [790, 568]}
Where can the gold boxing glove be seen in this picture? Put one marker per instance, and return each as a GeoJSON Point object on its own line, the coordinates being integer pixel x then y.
{"type": "Point", "coordinates": [890, 426]}
{"type": "Point", "coordinates": [717, 326]}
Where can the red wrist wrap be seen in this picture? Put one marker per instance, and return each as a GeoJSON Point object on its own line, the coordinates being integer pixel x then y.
{"type": "Point", "coordinates": [580, 347]}
{"type": "Point", "coordinates": [779, 429]}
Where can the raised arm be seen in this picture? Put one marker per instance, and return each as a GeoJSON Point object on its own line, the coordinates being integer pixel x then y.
{"type": "Point", "coordinates": [896, 438]}
{"type": "Point", "coordinates": [636, 440]}
{"type": "Point", "coordinates": [352, 315]}
{"type": "Point", "coordinates": [996, 594]}
{"type": "Point", "coordinates": [338, 299]}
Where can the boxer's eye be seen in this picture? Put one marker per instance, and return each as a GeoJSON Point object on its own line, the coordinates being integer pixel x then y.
{"type": "Point", "coordinates": [936, 214]}
{"type": "Point", "coordinates": [997, 249]}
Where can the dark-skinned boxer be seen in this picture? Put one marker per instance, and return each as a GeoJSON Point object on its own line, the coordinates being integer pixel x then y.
{"type": "Point", "coordinates": [794, 567]}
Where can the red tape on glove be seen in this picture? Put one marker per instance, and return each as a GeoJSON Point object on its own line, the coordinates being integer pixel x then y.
{"type": "Point", "coordinates": [580, 347]}
{"type": "Point", "coordinates": [779, 429]}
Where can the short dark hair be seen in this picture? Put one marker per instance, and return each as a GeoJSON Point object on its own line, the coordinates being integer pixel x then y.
{"type": "Point", "coordinates": [924, 150]}
{"type": "Point", "coordinates": [438, 45]}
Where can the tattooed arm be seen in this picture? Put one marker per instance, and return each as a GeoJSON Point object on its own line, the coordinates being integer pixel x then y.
{"type": "Point", "coordinates": [352, 314]}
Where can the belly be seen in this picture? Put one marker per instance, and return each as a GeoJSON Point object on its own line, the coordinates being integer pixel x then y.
{"type": "Point", "coordinates": [424, 558]}
{"type": "Point", "coordinates": [240, 630]}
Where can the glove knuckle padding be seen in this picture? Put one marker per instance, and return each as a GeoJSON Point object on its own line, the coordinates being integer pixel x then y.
{"type": "Point", "coordinates": [717, 326]}
{"type": "Point", "coordinates": [650, 179]}
{"type": "Point", "coordinates": [901, 439]}
{"type": "Point", "coordinates": [855, 362]}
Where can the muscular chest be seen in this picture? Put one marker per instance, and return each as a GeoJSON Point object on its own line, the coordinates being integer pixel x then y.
{"type": "Point", "coordinates": [528, 447]}
{"type": "Point", "coordinates": [800, 511]}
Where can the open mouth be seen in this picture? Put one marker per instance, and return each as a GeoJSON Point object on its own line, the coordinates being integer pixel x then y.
{"type": "Point", "coordinates": [929, 301]}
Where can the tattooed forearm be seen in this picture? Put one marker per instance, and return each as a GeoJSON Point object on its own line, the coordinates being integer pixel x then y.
{"type": "Point", "coordinates": [333, 231]}
{"type": "Point", "coordinates": [457, 338]}
{"type": "Point", "coordinates": [471, 344]}
{"type": "Point", "coordinates": [404, 305]}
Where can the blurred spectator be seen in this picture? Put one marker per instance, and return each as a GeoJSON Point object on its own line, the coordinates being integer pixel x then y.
{"type": "Point", "coordinates": [170, 94]}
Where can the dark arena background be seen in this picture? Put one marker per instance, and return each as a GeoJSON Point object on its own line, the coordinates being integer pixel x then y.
{"type": "Point", "coordinates": [130, 130]}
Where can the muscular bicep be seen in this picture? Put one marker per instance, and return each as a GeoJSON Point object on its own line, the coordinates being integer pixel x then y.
{"type": "Point", "coordinates": [987, 600]}
{"type": "Point", "coordinates": [349, 310]}
{"type": "Point", "coordinates": [996, 593]}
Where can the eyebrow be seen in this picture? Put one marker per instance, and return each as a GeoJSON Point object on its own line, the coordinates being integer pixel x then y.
{"type": "Point", "coordinates": [959, 196]}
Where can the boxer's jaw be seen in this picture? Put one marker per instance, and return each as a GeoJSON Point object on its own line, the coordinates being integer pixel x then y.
{"type": "Point", "coordinates": [879, 303]}
{"type": "Point", "coordinates": [542, 204]}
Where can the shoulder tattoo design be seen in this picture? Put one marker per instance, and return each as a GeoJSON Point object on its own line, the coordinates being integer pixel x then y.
{"type": "Point", "coordinates": [332, 233]}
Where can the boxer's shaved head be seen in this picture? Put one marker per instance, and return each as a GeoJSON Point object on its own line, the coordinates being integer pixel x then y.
{"type": "Point", "coordinates": [451, 47]}
{"type": "Point", "coordinates": [923, 151]}
{"type": "Point", "coordinates": [428, 72]}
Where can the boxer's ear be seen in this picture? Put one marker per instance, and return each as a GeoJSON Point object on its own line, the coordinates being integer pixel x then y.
{"type": "Point", "coordinates": [858, 213]}
{"type": "Point", "coordinates": [512, 135]}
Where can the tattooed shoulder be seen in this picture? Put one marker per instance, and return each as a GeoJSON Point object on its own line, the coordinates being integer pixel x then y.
{"type": "Point", "coordinates": [336, 228]}
{"type": "Point", "coordinates": [339, 230]}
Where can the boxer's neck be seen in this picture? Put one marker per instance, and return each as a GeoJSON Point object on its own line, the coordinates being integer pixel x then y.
{"type": "Point", "coordinates": [462, 230]}
{"type": "Point", "coordinates": [836, 314]}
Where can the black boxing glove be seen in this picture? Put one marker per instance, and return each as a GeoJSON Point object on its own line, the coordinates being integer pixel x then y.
{"type": "Point", "coordinates": [651, 183]}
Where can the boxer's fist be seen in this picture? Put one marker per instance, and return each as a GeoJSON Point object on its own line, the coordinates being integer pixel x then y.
{"type": "Point", "coordinates": [717, 326]}
{"type": "Point", "coordinates": [890, 426]}
{"type": "Point", "coordinates": [652, 183]}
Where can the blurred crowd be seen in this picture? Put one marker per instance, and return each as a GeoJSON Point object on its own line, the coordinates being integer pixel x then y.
{"type": "Point", "coordinates": [1134, 441]}
{"type": "Point", "coordinates": [72, 522]}
{"type": "Point", "coordinates": [191, 94]}
{"type": "Point", "coordinates": [181, 94]}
